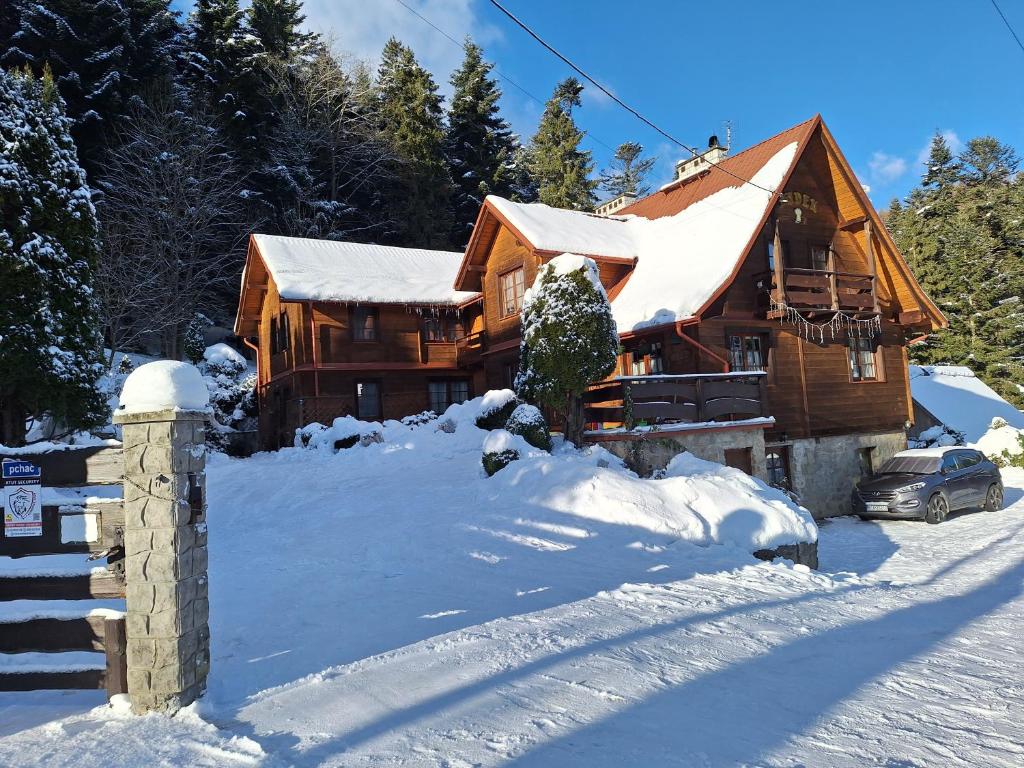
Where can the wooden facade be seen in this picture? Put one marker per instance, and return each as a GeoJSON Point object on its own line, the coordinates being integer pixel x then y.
{"type": "Point", "coordinates": [318, 360]}
{"type": "Point", "coordinates": [820, 252]}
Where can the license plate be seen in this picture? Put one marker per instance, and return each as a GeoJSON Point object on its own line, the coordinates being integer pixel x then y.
{"type": "Point", "coordinates": [877, 506]}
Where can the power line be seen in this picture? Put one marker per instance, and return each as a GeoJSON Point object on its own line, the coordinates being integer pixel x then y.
{"type": "Point", "coordinates": [616, 99]}
{"type": "Point", "coordinates": [497, 71]}
{"type": "Point", "coordinates": [1007, 23]}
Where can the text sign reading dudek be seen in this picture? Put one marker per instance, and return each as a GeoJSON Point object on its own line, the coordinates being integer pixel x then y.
{"type": "Point", "coordinates": [23, 508]}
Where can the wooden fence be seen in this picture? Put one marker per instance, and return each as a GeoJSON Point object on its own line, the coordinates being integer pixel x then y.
{"type": "Point", "coordinates": [95, 528]}
{"type": "Point", "coordinates": [696, 398]}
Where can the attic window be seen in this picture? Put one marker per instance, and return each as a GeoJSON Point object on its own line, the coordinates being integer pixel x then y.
{"type": "Point", "coordinates": [511, 287]}
{"type": "Point", "coordinates": [364, 324]}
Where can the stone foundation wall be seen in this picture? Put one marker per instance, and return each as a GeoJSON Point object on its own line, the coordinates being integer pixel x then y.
{"type": "Point", "coordinates": [645, 455]}
{"type": "Point", "coordinates": [826, 469]}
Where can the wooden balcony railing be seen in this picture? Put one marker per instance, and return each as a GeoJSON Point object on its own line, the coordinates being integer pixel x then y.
{"type": "Point", "coordinates": [688, 398]}
{"type": "Point", "coordinates": [817, 290]}
{"type": "Point", "coordinates": [469, 349]}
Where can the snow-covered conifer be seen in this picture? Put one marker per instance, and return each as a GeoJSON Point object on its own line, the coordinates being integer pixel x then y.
{"type": "Point", "coordinates": [558, 165]}
{"type": "Point", "coordinates": [50, 349]}
{"type": "Point", "coordinates": [569, 338]}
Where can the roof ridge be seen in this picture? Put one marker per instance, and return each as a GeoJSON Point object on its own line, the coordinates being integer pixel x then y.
{"type": "Point", "coordinates": [674, 185]}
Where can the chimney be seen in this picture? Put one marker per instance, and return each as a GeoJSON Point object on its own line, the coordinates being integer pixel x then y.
{"type": "Point", "coordinates": [610, 207]}
{"type": "Point", "coordinates": [691, 166]}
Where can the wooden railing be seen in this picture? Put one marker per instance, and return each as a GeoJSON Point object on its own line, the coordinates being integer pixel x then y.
{"type": "Point", "coordinates": [469, 349]}
{"type": "Point", "coordinates": [688, 398]}
{"type": "Point", "coordinates": [821, 290]}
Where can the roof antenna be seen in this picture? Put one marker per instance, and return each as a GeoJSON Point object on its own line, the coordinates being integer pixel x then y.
{"type": "Point", "coordinates": [728, 135]}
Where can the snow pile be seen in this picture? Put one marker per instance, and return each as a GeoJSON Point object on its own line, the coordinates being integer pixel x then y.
{"type": "Point", "coordinates": [164, 384]}
{"type": "Point", "coordinates": [682, 260]}
{"type": "Point", "coordinates": [939, 435]}
{"type": "Point", "coordinates": [328, 270]}
{"type": "Point", "coordinates": [344, 432]}
{"type": "Point", "coordinates": [1002, 442]}
{"type": "Point", "coordinates": [960, 400]}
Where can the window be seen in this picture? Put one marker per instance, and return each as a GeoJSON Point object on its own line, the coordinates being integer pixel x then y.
{"type": "Point", "coordinates": [284, 331]}
{"type": "Point", "coordinates": [948, 463]}
{"type": "Point", "coordinates": [447, 392]}
{"type": "Point", "coordinates": [508, 376]}
{"type": "Point", "coordinates": [433, 329]}
{"type": "Point", "coordinates": [511, 286]}
{"type": "Point", "coordinates": [364, 324]}
{"type": "Point", "coordinates": [965, 459]}
{"type": "Point", "coordinates": [746, 352]}
{"type": "Point", "coordinates": [438, 326]}
{"type": "Point", "coordinates": [862, 359]}
{"type": "Point", "coordinates": [819, 257]}
{"type": "Point", "coordinates": [275, 339]}
{"type": "Point", "coordinates": [645, 360]}
{"type": "Point", "coordinates": [654, 358]}
{"type": "Point", "coordinates": [368, 400]}
{"type": "Point", "coordinates": [777, 464]}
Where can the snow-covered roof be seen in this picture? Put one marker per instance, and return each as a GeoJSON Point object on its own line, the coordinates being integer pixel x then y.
{"type": "Point", "coordinates": [960, 400]}
{"type": "Point", "coordinates": [682, 259]}
{"type": "Point", "coordinates": [329, 270]}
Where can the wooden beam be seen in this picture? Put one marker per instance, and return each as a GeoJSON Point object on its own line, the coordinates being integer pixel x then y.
{"type": "Point", "coordinates": [51, 635]}
{"type": "Point", "coordinates": [872, 266]}
{"type": "Point", "coordinates": [115, 642]}
{"type": "Point", "coordinates": [780, 275]}
{"type": "Point", "coordinates": [83, 587]}
{"type": "Point", "coordinates": [82, 679]}
{"type": "Point", "coordinates": [854, 222]}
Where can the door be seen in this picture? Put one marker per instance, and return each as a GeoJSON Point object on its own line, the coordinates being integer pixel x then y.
{"type": "Point", "coordinates": [959, 486]}
{"type": "Point", "coordinates": [976, 479]}
{"type": "Point", "coordinates": [740, 458]}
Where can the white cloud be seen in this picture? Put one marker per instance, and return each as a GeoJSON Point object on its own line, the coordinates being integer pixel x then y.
{"type": "Point", "coordinates": [885, 168]}
{"type": "Point", "coordinates": [954, 142]}
{"type": "Point", "coordinates": [361, 27]}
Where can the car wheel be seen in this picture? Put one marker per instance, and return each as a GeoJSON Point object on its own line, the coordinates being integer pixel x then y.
{"type": "Point", "coordinates": [938, 509]}
{"type": "Point", "coordinates": [994, 498]}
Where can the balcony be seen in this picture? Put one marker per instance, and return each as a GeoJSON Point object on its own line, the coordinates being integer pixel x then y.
{"type": "Point", "coordinates": [469, 349]}
{"type": "Point", "coordinates": [817, 291]}
{"type": "Point", "coordinates": [707, 400]}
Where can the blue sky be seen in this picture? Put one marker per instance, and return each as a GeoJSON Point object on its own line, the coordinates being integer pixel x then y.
{"type": "Point", "coordinates": [885, 75]}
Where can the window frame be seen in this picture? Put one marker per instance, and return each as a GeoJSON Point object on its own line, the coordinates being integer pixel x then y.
{"type": "Point", "coordinates": [449, 399]}
{"type": "Point", "coordinates": [764, 342]}
{"type": "Point", "coordinates": [380, 398]}
{"type": "Point", "coordinates": [371, 311]}
{"type": "Point", "coordinates": [504, 311]}
{"type": "Point", "coordinates": [782, 451]}
{"type": "Point", "coordinates": [876, 360]}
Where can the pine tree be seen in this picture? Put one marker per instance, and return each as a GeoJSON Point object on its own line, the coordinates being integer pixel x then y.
{"type": "Point", "coordinates": [942, 168]}
{"type": "Point", "coordinates": [412, 119]}
{"type": "Point", "coordinates": [569, 338]}
{"type": "Point", "coordinates": [560, 168]}
{"type": "Point", "coordinates": [986, 159]}
{"type": "Point", "coordinates": [50, 351]}
{"type": "Point", "coordinates": [194, 343]}
{"type": "Point", "coordinates": [479, 145]}
{"type": "Point", "coordinates": [102, 53]}
{"type": "Point", "coordinates": [276, 23]}
{"type": "Point", "coordinates": [628, 172]}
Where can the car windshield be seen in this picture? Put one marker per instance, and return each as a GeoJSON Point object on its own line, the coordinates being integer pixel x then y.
{"type": "Point", "coordinates": [911, 465]}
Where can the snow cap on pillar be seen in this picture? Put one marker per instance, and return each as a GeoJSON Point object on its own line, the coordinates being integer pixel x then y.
{"type": "Point", "coordinates": [164, 385]}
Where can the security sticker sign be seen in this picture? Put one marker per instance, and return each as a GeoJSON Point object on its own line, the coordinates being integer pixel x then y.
{"type": "Point", "coordinates": [23, 509]}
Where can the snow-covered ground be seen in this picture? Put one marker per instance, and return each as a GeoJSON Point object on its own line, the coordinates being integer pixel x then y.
{"type": "Point", "coordinates": [379, 617]}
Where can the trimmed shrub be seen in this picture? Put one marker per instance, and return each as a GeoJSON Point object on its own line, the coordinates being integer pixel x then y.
{"type": "Point", "coordinates": [496, 461]}
{"type": "Point", "coordinates": [494, 414]}
{"type": "Point", "coordinates": [499, 451]}
{"type": "Point", "coordinates": [528, 421]}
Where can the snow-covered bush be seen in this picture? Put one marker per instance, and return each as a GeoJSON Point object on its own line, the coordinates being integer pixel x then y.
{"type": "Point", "coordinates": [939, 435]}
{"type": "Point", "coordinates": [529, 422]}
{"type": "Point", "coordinates": [569, 338]}
{"type": "Point", "coordinates": [495, 408]}
{"type": "Point", "coordinates": [499, 451]}
{"type": "Point", "coordinates": [124, 367]}
{"type": "Point", "coordinates": [232, 396]}
{"type": "Point", "coordinates": [344, 432]}
{"type": "Point", "coordinates": [194, 343]}
{"type": "Point", "coordinates": [1003, 444]}
{"type": "Point", "coordinates": [418, 419]}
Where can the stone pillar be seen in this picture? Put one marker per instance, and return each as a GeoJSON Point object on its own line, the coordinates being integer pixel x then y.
{"type": "Point", "coordinates": [165, 558]}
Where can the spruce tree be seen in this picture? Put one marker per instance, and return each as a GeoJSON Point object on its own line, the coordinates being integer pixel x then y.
{"type": "Point", "coordinates": [558, 165]}
{"type": "Point", "coordinates": [412, 119]}
{"type": "Point", "coordinates": [569, 338]}
{"type": "Point", "coordinates": [962, 234]}
{"type": "Point", "coordinates": [276, 23]}
{"type": "Point", "coordinates": [479, 145]}
{"type": "Point", "coordinates": [101, 53]}
{"type": "Point", "coordinates": [50, 350]}
{"type": "Point", "coordinates": [628, 172]}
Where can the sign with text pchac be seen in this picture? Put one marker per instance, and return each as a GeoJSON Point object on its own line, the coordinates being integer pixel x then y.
{"type": "Point", "coordinates": [23, 508]}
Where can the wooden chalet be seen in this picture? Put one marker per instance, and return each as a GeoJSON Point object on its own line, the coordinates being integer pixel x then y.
{"type": "Point", "coordinates": [763, 308]}
{"type": "Point", "coordinates": [348, 329]}
{"type": "Point", "coordinates": [792, 279]}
